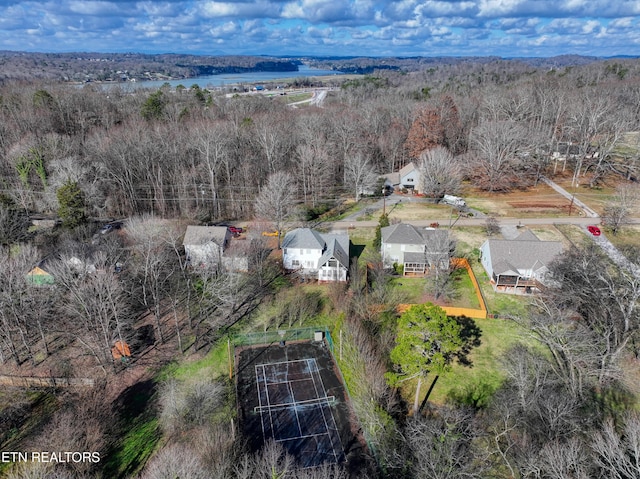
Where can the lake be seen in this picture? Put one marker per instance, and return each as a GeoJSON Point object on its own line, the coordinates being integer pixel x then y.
{"type": "Point", "coordinates": [231, 78]}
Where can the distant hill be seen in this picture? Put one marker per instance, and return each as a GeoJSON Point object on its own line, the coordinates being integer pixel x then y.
{"type": "Point", "coordinates": [115, 67]}
{"type": "Point", "coordinates": [118, 67]}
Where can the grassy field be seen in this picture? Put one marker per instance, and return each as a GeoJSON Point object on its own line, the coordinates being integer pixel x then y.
{"type": "Point", "coordinates": [627, 236]}
{"type": "Point", "coordinates": [476, 383]}
{"type": "Point", "coordinates": [413, 289]}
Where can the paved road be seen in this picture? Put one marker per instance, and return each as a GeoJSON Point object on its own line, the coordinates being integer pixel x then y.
{"type": "Point", "coordinates": [591, 217]}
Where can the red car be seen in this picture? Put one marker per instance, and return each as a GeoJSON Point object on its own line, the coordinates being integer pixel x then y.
{"type": "Point", "coordinates": [236, 230]}
{"type": "Point", "coordinates": [594, 230]}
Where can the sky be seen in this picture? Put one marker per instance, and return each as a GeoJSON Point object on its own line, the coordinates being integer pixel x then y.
{"type": "Point", "coordinates": [506, 28]}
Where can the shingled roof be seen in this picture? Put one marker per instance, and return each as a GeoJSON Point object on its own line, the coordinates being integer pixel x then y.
{"type": "Point", "coordinates": [200, 235]}
{"type": "Point", "coordinates": [303, 238]}
{"type": "Point", "coordinates": [332, 245]}
{"type": "Point", "coordinates": [526, 252]}
{"type": "Point", "coordinates": [403, 233]}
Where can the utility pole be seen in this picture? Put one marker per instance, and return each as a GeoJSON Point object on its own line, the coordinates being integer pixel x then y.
{"type": "Point", "coordinates": [384, 200]}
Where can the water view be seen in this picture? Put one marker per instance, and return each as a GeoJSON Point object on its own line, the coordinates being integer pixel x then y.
{"type": "Point", "coordinates": [227, 79]}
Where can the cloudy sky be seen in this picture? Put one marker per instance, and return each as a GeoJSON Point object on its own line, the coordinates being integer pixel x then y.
{"type": "Point", "coordinates": [324, 27]}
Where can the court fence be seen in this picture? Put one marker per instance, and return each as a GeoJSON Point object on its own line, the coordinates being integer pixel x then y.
{"type": "Point", "coordinates": [298, 334]}
{"type": "Point", "coordinates": [272, 337]}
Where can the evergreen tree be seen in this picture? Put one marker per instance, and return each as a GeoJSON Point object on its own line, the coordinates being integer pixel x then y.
{"type": "Point", "coordinates": [71, 204]}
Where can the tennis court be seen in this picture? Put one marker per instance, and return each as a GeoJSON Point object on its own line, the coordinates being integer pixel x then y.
{"type": "Point", "coordinates": [292, 394]}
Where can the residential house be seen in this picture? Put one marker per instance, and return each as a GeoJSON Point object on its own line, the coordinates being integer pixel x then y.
{"type": "Point", "coordinates": [205, 245]}
{"type": "Point", "coordinates": [310, 253]}
{"type": "Point", "coordinates": [520, 265]}
{"type": "Point", "coordinates": [417, 250]}
{"type": "Point", "coordinates": [408, 177]}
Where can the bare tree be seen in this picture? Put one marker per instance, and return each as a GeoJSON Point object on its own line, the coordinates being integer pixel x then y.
{"type": "Point", "coordinates": [492, 226]}
{"type": "Point", "coordinates": [212, 143]}
{"type": "Point", "coordinates": [154, 262]}
{"type": "Point", "coordinates": [494, 163]}
{"type": "Point", "coordinates": [438, 252]}
{"type": "Point", "coordinates": [188, 404]}
{"type": "Point", "coordinates": [275, 200]}
{"type": "Point", "coordinates": [603, 299]}
{"type": "Point", "coordinates": [359, 175]}
{"type": "Point", "coordinates": [620, 207]}
{"type": "Point", "coordinates": [442, 445]}
{"type": "Point", "coordinates": [25, 310]}
{"type": "Point", "coordinates": [617, 449]}
{"type": "Point", "coordinates": [440, 172]}
{"type": "Point", "coordinates": [95, 298]}
{"type": "Point", "coordinates": [314, 172]}
{"type": "Point", "coordinates": [177, 460]}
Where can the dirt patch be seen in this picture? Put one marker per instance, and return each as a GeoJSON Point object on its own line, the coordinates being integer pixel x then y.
{"type": "Point", "coordinates": [528, 204]}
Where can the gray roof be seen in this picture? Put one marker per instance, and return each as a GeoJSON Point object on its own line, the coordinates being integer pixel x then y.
{"type": "Point", "coordinates": [419, 258]}
{"type": "Point", "coordinates": [200, 235]}
{"type": "Point", "coordinates": [303, 238]}
{"type": "Point", "coordinates": [402, 233]}
{"type": "Point", "coordinates": [332, 245]}
{"type": "Point", "coordinates": [527, 235]}
{"type": "Point", "coordinates": [509, 257]}
{"type": "Point", "coordinates": [337, 251]}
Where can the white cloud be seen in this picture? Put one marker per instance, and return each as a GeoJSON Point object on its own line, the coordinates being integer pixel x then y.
{"type": "Point", "coordinates": [369, 27]}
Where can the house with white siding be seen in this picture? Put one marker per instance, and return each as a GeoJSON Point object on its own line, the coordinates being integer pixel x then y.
{"type": "Point", "coordinates": [408, 177]}
{"type": "Point", "coordinates": [319, 255]}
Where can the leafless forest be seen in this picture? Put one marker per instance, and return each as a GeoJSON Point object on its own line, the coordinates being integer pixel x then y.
{"type": "Point", "coordinates": [160, 159]}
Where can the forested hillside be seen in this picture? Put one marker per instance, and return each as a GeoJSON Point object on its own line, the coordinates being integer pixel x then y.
{"type": "Point", "coordinates": [149, 162]}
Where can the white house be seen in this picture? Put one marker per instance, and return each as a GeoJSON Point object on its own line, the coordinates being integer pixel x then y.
{"type": "Point", "coordinates": [205, 245]}
{"type": "Point", "coordinates": [408, 177]}
{"type": "Point", "coordinates": [520, 265]}
{"type": "Point", "coordinates": [310, 253]}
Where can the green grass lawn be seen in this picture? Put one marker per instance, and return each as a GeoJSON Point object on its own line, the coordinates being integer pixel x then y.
{"type": "Point", "coordinates": [476, 383]}
{"type": "Point", "coordinates": [466, 296]}
{"type": "Point", "coordinates": [484, 376]}
{"type": "Point", "coordinates": [628, 236]}
{"type": "Point", "coordinates": [413, 289]}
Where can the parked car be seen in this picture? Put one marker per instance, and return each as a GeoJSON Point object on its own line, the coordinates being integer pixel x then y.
{"type": "Point", "coordinates": [236, 230]}
{"type": "Point", "coordinates": [271, 233]}
{"type": "Point", "coordinates": [594, 230]}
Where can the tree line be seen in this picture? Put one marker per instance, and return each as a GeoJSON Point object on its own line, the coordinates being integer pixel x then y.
{"type": "Point", "coordinates": [150, 156]}
{"type": "Point", "coordinates": [190, 153]}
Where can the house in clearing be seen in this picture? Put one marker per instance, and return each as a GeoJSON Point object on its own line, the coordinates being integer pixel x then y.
{"type": "Point", "coordinates": [314, 254]}
{"type": "Point", "coordinates": [417, 250]}
{"type": "Point", "coordinates": [408, 177]}
{"type": "Point", "coordinates": [520, 265]}
{"type": "Point", "coordinates": [205, 245]}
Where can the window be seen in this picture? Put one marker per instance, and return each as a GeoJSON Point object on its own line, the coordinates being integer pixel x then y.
{"type": "Point", "coordinates": [295, 262]}
{"type": "Point", "coordinates": [284, 251]}
{"type": "Point", "coordinates": [333, 263]}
